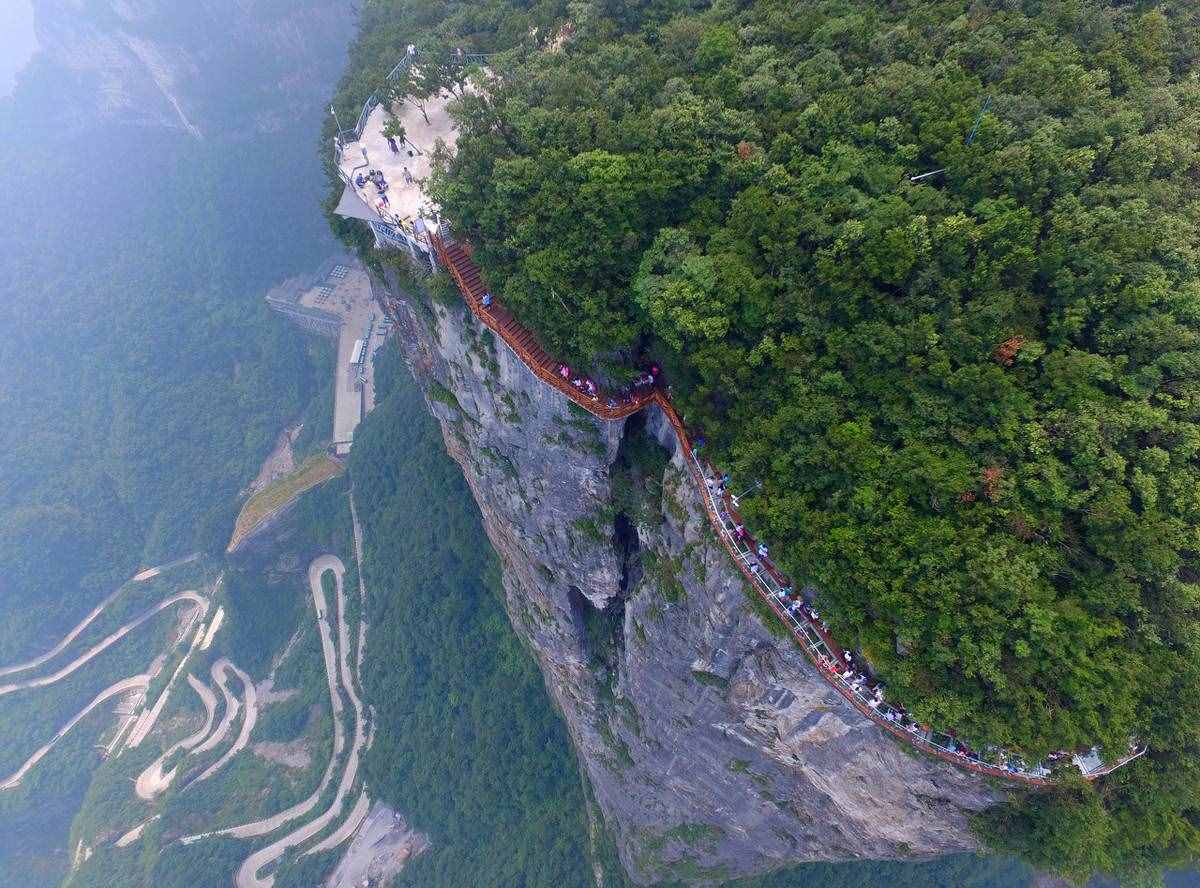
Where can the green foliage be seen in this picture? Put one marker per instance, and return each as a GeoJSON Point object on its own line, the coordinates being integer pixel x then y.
{"type": "Point", "coordinates": [972, 400]}
{"type": "Point", "coordinates": [637, 476]}
{"type": "Point", "coordinates": [443, 395]}
{"type": "Point", "coordinates": [317, 419]}
{"type": "Point", "coordinates": [444, 291]}
{"type": "Point", "coordinates": [262, 612]}
{"type": "Point", "coordinates": [1068, 830]}
{"type": "Point", "coordinates": [597, 530]}
{"type": "Point", "coordinates": [394, 129]}
{"type": "Point", "coordinates": [478, 757]}
{"type": "Point", "coordinates": [662, 573]}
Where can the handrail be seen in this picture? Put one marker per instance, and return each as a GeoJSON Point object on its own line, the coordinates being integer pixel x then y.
{"type": "Point", "coordinates": [820, 649]}
{"type": "Point", "coordinates": [530, 353]}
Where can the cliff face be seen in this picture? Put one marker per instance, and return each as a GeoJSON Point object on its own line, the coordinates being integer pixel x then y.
{"type": "Point", "coordinates": [713, 748]}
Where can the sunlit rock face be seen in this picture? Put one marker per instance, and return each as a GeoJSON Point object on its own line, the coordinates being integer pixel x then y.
{"type": "Point", "coordinates": [202, 67]}
{"type": "Point", "coordinates": [714, 750]}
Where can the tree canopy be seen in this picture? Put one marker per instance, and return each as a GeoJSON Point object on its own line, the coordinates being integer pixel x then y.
{"type": "Point", "coordinates": [929, 272]}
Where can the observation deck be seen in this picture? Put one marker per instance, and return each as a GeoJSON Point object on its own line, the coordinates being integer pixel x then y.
{"type": "Point", "coordinates": [398, 213]}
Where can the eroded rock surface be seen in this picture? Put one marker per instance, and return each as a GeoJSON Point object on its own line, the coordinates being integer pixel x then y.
{"type": "Point", "coordinates": [713, 748]}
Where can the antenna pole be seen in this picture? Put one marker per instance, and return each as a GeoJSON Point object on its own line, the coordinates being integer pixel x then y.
{"type": "Point", "coordinates": [987, 103]}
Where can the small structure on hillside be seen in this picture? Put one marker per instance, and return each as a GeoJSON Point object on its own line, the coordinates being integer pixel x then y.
{"type": "Point", "coordinates": [311, 301]}
{"type": "Point", "coordinates": [339, 301]}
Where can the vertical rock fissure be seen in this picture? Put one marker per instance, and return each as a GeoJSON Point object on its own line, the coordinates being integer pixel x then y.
{"type": "Point", "coordinates": [600, 633]}
{"type": "Point", "coordinates": [629, 548]}
{"type": "Point", "coordinates": [705, 755]}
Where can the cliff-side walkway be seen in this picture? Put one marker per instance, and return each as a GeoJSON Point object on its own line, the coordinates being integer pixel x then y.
{"type": "Point", "coordinates": [776, 592]}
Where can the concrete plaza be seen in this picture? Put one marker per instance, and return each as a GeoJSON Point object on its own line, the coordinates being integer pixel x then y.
{"type": "Point", "coordinates": [406, 201]}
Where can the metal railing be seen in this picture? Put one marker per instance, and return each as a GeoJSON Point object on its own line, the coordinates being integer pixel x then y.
{"type": "Point", "coordinates": [801, 623]}
{"type": "Point", "coordinates": [770, 586]}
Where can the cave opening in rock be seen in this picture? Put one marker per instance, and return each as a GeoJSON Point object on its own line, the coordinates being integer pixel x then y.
{"type": "Point", "coordinates": [637, 477]}
{"type": "Point", "coordinates": [601, 629]}
{"type": "Point", "coordinates": [636, 490]}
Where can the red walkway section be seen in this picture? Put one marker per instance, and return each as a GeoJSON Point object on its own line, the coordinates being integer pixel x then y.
{"type": "Point", "coordinates": [810, 634]}
{"type": "Point", "coordinates": [497, 318]}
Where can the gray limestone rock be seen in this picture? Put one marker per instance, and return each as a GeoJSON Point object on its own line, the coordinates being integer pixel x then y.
{"type": "Point", "coordinates": [713, 748]}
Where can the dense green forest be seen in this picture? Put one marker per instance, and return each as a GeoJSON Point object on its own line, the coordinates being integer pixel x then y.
{"type": "Point", "coordinates": [971, 398]}
{"type": "Point", "coordinates": [471, 748]}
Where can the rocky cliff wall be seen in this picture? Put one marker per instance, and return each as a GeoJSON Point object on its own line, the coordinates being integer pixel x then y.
{"type": "Point", "coordinates": [713, 748]}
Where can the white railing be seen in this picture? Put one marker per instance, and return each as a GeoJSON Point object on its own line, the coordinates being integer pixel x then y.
{"type": "Point", "coordinates": [810, 632]}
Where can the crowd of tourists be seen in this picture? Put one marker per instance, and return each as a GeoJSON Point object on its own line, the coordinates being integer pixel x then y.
{"type": "Point", "coordinates": [840, 665]}
{"type": "Point", "coordinates": [586, 386]}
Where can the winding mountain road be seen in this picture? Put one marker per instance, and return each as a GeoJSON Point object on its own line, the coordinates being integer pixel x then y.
{"type": "Point", "coordinates": [149, 719]}
{"type": "Point", "coordinates": [152, 781]}
{"type": "Point", "coordinates": [248, 873]}
{"type": "Point", "coordinates": [197, 598]}
{"type": "Point", "coordinates": [348, 678]}
{"type": "Point", "coordinates": [89, 619]}
{"type": "Point", "coordinates": [134, 834]}
{"type": "Point", "coordinates": [352, 822]}
{"type": "Point", "coordinates": [250, 705]}
{"type": "Point", "coordinates": [123, 686]}
{"type": "Point", "coordinates": [232, 707]}
{"type": "Point", "coordinates": [328, 649]}
{"type": "Point", "coordinates": [66, 639]}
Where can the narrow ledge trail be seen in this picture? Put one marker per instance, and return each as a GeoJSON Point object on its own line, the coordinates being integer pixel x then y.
{"type": "Point", "coordinates": [771, 587]}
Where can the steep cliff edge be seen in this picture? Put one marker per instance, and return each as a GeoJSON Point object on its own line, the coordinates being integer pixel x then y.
{"type": "Point", "coordinates": [712, 746]}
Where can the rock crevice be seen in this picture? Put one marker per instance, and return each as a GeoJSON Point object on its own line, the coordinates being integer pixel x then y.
{"type": "Point", "coordinates": [712, 747]}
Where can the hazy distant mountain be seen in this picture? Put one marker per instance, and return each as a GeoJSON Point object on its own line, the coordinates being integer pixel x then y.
{"type": "Point", "coordinates": [156, 62]}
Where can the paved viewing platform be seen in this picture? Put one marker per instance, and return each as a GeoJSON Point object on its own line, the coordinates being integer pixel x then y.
{"type": "Point", "coordinates": [853, 680]}
{"type": "Point", "coordinates": [385, 177]}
